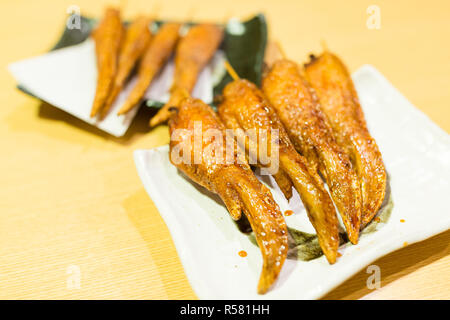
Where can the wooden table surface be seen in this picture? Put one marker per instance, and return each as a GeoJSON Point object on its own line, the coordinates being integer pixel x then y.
{"type": "Point", "coordinates": [75, 219]}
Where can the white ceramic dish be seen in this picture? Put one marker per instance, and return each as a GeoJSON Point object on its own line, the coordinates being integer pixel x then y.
{"type": "Point", "coordinates": [67, 79]}
{"type": "Point", "coordinates": [417, 156]}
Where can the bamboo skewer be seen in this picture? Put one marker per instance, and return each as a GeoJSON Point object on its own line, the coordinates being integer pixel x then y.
{"type": "Point", "coordinates": [281, 50]}
{"type": "Point", "coordinates": [231, 71]}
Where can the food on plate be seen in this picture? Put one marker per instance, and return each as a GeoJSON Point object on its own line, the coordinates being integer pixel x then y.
{"type": "Point", "coordinates": [233, 181]}
{"type": "Point", "coordinates": [339, 101]}
{"type": "Point", "coordinates": [107, 37]}
{"type": "Point", "coordinates": [193, 52]}
{"type": "Point", "coordinates": [136, 40]}
{"type": "Point", "coordinates": [311, 134]}
{"type": "Point", "coordinates": [245, 107]}
{"type": "Point", "coordinates": [154, 58]}
{"type": "Point", "coordinates": [304, 126]}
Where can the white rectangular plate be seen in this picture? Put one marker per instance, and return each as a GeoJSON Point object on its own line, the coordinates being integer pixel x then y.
{"type": "Point", "coordinates": [67, 79]}
{"type": "Point", "coordinates": [417, 156]}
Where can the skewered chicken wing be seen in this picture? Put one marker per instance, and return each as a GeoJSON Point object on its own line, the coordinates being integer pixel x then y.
{"type": "Point", "coordinates": [312, 136]}
{"type": "Point", "coordinates": [154, 58]}
{"type": "Point", "coordinates": [233, 181]}
{"type": "Point", "coordinates": [339, 100]}
{"type": "Point", "coordinates": [107, 37]}
{"type": "Point", "coordinates": [136, 40]}
{"type": "Point", "coordinates": [192, 54]}
{"type": "Point", "coordinates": [245, 107]}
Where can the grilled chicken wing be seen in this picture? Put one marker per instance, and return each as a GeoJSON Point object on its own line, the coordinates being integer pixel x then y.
{"type": "Point", "coordinates": [107, 37]}
{"type": "Point", "coordinates": [137, 37]}
{"type": "Point", "coordinates": [232, 180]}
{"type": "Point", "coordinates": [155, 56]}
{"type": "Point", "coordinates": [339, 100]}
{"type": "Point", "coordinates": [192, 54]}
{"type": "Point", "coordinates": [245, 107]}
{"type": "Point", "coordinates": [312, 136]}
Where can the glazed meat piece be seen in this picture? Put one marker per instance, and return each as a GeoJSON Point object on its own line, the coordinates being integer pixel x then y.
{"type": "Point", "coordinates": [136, 40]}
{"type": "Point", "coordinates": [107, 37]}
{"type": "Point", "coordinates": [155, 56]}
{"type": "Point", "coordinates": [193, 52]}
{"type": "Point", "coordinates": [232, 180]}
{"type": "Point", "coordinates": [311, 134]}
{"type": "Point", "coordinates": [339, 100]}
{"type": "Point", "coordinates": [244, 107]}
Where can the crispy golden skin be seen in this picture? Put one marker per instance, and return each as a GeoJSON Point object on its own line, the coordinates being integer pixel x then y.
{"type": "Point", "coordinates": [107, 37]}
{"type": "Point", "coordinates": [155, 56]}
{"type": "Point", "coordinates": [244, 106]}
{"type": "Point", "coordinates": [233, 181]}
{"type": "Point", "coordinates": [312, 136]}
{"type": "Point", "coordinates": [339, 100]}
{"type": "Point", "coordinates": [136, 40]}
{"type": "Point", "coordinates": [194, 51]}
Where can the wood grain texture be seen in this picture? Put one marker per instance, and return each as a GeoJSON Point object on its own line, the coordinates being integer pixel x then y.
{"type": "Point", "coordinates": [71, 198]}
